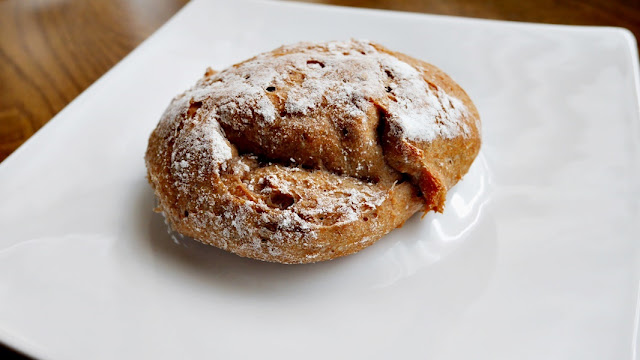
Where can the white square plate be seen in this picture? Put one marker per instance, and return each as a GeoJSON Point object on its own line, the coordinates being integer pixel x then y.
{"type": "Point", "coordinates": [535, 257]}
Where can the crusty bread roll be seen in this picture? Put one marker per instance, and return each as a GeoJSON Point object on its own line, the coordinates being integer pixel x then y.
{"type": "Point", "coordinates": [311, 151]}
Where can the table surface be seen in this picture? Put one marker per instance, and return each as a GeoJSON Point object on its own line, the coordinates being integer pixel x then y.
{"type": "Point", "coordinates": [52, 50]}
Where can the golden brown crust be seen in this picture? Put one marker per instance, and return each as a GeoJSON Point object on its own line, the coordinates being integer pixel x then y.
{"type": "Point", "coordinates": [438, 164]}
{"type": "Point", "coordinates": [311, 151]}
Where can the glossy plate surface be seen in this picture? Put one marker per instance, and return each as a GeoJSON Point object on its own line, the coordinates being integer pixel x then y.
{"type": "Point", "coordinates": [535, 257]}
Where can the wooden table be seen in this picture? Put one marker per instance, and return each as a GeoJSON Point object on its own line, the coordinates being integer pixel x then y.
{"type": "Point", "coordinates": [52, 50]}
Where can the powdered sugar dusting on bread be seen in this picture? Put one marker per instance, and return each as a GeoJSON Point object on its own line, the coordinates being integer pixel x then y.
{"type": "Point", "coordinates": [265, 224]}
{"type": "Point", "coordinates": [422, 113]}
{"type": "Point", "coordinates": [259, 209]}
{"type": "Point", "coordinates": [348, 75]}
{"type": "Point", "coordinates": [199, 149]}
{"type": "Point", "coordinates": [346, 198]}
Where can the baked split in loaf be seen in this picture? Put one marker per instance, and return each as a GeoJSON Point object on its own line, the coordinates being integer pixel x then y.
{"type": "Point", "coordinates": [310, 151]}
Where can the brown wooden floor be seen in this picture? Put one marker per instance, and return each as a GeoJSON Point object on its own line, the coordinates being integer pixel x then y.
{"type": "Point", "coordinates": [51, 50]}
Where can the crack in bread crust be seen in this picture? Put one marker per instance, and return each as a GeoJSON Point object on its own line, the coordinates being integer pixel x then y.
{"type": "Point", "coordinates": [301, 154]}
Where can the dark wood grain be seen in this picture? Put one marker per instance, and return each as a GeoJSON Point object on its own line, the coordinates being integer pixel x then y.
{"type": "Point", "coordinates": [623, 13]}
{"type": "Point", "coordinates": [51, 50]}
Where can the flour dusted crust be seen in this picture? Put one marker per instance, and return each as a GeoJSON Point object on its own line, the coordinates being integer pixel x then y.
{"type": "Point", "coordinates": [311, 151]}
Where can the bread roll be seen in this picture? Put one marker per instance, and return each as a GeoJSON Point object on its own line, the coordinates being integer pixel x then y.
{"type": "Point", "coordinates": [311, 151]}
